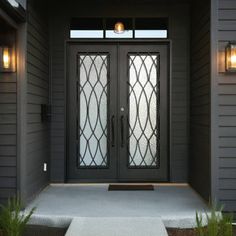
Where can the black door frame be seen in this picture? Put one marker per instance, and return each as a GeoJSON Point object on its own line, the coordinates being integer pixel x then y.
{"type": "Point", "coordinates": [144, 174]}
{"type": "Point", "coordinates": [110, 170]}
{"type": "Point", "coordinates": [167, 43]}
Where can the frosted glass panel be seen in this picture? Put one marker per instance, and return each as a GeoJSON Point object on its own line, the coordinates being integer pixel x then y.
{"type": "Point", "coordinates": [143, 110]}
{"type": "Point", "coordinates": [151, 34]}
{"type": "Point", "coordinates": [93, 88]}
{"type": "Point", "coordinates": [112, 34]}
{"type": "Point", "coordinates": [86, 34]}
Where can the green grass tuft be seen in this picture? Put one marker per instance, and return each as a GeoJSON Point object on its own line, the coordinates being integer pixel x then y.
{"type": "Point", "coordinates": [218, 224]}
{"type": "Point", "coordinates": [12, 221]}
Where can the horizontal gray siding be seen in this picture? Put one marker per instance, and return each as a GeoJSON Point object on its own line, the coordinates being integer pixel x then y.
{"type": "Point", "coordinates": [7, 136]}
{"type": "Point", "coordinates": [8, 125]}
{"type": "Point", "coordinates": [37, 137]}
{"type": "Point", "coordinates": [200, 98]}
{"type": "Point", "coordinates": [179, 34]}
{"type": "Point", "coordinates": [227, 111]}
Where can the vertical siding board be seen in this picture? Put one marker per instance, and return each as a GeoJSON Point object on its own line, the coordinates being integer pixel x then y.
{"type": "Point", "coordinates": [200, 98]}
{"type": "Point", "coordinates": [37, 133]}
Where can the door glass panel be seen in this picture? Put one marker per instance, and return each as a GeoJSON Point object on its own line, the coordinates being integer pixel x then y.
{"type": "Point", "coordinates": [125, 34]}
{"type": "Point", "coordinates": [86, 34]}
{"type": "Point", "coordinates": [143, 110]}
{"type": "Point", "coordinates": [151, 34]}
{"type": "Point", "coordinates": [92, 128]}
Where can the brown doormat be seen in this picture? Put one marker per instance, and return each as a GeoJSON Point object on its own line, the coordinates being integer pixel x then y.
{"type": "Point", "coordinates": [130, 187]}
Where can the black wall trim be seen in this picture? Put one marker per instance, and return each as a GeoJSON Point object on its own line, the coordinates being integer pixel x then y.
{"type": "Point", "coordinates": [18, 14]}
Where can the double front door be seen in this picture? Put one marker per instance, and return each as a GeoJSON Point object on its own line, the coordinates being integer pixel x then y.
{"type": "Point", "coordinates": [117, 112]}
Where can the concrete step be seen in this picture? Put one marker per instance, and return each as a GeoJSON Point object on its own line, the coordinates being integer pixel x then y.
{"type": "Point", "coordinates": [117, 226]}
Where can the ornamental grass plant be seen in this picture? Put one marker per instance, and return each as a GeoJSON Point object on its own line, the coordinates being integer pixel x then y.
{"type": "Point", "coordinates": [217, 223]}
{"type": "Point", "coordinates": [12, 220]}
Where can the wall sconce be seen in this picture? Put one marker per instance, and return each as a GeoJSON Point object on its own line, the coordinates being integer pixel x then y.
{"type": "Point", "coordinates": [230, 57]}
{"type": "Point", "coordinates": [7, 59]}
{"type": "Point", "coordinates": [119, 28]}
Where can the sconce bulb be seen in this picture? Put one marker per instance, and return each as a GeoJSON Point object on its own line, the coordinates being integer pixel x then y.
{"type": "Point", "coordinates": [6, 58]}
{"type": "Point", "coordinates": [233, 59]}
{"type": "Point", "coordinates": [230, 57]}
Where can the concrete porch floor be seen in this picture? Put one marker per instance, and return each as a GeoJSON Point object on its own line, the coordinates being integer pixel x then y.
{"type": "Point", "coordinates": [57, 205]}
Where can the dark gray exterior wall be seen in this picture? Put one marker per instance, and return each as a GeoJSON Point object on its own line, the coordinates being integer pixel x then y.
{"type": "Point", "coordinates": [8, 121]}
{"type": "Point", "coordinates": [199, 158]}
{"type": "Point", "coordinates": [37, 133]}
{"type": "Point", "coordinates": [8, 112]}
{"type": "Point", "coordinates": [179, 34]}
{"type": "Point", "coordinates": [24, 139]}
{"type": "Point", "coordinates": [224, 30]}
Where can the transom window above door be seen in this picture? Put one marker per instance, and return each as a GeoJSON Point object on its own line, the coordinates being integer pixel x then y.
{"type": "Point", "coordinates": [130, 28]}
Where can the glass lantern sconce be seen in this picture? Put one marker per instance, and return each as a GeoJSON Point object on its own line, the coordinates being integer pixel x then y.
{"type": "Point", "coordinates": [7, 59]}
{"type": "Point", "coordinates": [230, 57]}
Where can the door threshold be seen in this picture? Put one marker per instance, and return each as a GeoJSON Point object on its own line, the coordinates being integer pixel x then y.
{"type": "Point", "coordinates": [105, 184]}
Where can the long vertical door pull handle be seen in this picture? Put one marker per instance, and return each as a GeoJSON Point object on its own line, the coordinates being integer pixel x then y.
{"type": "Point", "coordinates": [122, 130]}
{"type": "Point", "coordinates": [113, 131]}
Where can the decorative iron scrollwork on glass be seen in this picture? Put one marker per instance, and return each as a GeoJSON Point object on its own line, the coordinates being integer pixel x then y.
{"type": "Point", "coordinates": [92, 112]}
{"type": "Point", "coordinates": [144, 109]}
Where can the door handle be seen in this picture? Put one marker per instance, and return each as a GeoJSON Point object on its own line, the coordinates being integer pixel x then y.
{"type": "Point", "coordinates": [122, 130]}
{"type": "Point", "coordinates": [113, 131]}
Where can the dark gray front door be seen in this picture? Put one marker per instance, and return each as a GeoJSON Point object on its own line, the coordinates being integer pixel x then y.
{"type": "Point", "coordinates": [117, 112]}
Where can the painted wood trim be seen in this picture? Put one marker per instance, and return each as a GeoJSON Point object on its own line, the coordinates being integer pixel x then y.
{"type": "Point", "coordinates": [199, 159]}
{"type": "Point", "coordinates": [16, 13]}
{"type": "Point", "coordinates": [21, 110]}
{"type": "Point", "coordinates": [8, 19]}
{"type": "Point", "coordinates": [214, 101]}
